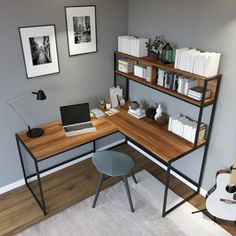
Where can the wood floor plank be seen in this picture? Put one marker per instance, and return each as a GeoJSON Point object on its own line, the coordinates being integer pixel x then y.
{"type": "Point", "coordinates": [19, 210]}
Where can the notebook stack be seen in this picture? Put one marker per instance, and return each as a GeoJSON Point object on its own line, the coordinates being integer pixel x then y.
{"type": "Point", "coordinates": [197, 92]}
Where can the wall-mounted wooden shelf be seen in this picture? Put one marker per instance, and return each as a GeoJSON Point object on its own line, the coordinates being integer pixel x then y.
{"type": "Point", "coordinates": [170, 92]}
{"type": "Point", "coordinates": [211, 82]}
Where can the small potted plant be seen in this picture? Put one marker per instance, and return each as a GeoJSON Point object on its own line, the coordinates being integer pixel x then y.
{"type": "Point", "coordinates": [154, 48]}
{"type": "Point", "coordinates": [158, 44]}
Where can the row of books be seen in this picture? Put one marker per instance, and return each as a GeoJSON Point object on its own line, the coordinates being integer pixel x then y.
{"type": "Point", "coordinates": [186, 128]}
{"type": "Point", "coordinates": [201, 63]}
{"type": "Point", "coordinates": [132, 45]}
{"type": "Point", "coordinates": [175, 82]}
{"type": "Point", "coordinates": [181, 84]}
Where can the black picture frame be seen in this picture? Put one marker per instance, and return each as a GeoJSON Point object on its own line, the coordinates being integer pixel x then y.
{"type": "Point", "coordinates": [81, 26]}
{"type": "Point", "coordinates": [39, 48]}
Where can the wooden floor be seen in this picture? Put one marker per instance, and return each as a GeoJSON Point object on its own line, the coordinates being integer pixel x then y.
{"type": "Point", "coordinates": [19, 210]}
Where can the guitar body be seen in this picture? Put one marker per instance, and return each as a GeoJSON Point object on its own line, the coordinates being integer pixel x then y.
{"type": "Point", "coordinates": [219, 201]}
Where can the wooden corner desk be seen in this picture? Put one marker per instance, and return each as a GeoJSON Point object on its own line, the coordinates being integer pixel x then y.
{"type": "Point", "coordinates": [155, 140]}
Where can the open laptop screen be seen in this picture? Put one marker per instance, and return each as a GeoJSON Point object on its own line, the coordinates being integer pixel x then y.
{"type": "Point", "coordinates": [74, 114]}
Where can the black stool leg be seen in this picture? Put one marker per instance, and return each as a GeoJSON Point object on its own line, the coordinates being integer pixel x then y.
{"type": "Point", "coordinates": [102, 176]}
{"type": "Point", "coordinates": [128, 193]}
{"type": "Point", "coordinates": [133, 176]}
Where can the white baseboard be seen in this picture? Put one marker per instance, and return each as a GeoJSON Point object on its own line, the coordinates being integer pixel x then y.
{"type": "Point", "coordinates": [21, 182]}
{"type": "Point", "coordinates": [202, 191]}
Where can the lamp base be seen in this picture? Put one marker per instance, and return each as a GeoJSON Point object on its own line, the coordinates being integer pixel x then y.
{"type": "Point", "coordinates": [34, 133]}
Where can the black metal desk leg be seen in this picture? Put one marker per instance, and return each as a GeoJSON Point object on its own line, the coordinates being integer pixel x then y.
{"type": "Point", "coordinates": [21, 159]}
{"type": "Point", "coordinates": [166, 190]}
{"type": "Point", "coordinates": [42, 205]}
{"type": "Point", "coordinates": [94, 146]}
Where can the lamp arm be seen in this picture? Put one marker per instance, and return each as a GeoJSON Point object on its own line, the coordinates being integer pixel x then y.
{"type": "Point", "coordinates": [11, 102]}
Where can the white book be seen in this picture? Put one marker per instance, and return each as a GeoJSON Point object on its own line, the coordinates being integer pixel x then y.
{"type": "Point", "coordinates": [187, 55]}
{"type": "Point", "coordinates": [172, 120]}
{"type": "Point", "coordinates": [180, 126]}
{"type": "Point", "coordinates": [169, 123]}
{"type": "Point", "coordinates": [193, 134]}
{"type": "Point", "coordinates": [149, 73]}
{"type": "Point", "coordinates": [181, 84]}
{"type": "Point", "coordinates": [174, 123]}
{"type": "Point", "coordinates": [133, 46]}
{"type": "Point", "coordinates": [204, 63]}
{"type": "Point", "coordinates": [196, 63]}
{"type": "Point", "coordinates": [192, 60]}
{"type": "Point", "coordinates": [141, 47]}
{"type": "Point", "coordinates": [212, 64]}
{"type": "Point", "coordinates": [178, 56]}
{"type": "Point", "coordinates": [184, 122]}
{"type": "Point", "coordinates": [185, 128]}
{"type": "Point", "coordinates": [160, 79]}
{"type": "Point", "coordinates": [138, 115]}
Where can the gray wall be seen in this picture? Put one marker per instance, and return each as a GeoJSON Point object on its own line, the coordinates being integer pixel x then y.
{"type": "Point", "coordinates": [82, 78]}
{"type": "Point", "coordinates": [208, 25]}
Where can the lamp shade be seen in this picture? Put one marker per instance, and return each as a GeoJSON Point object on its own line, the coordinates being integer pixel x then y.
{"type": "Point", "coordinates": [40, 95]}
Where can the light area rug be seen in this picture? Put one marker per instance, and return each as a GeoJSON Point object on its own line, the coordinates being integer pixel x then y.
{"type": "Point", "coordinates": [112, 215]}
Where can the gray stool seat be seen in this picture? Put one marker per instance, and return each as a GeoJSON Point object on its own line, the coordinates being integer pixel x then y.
{"type": "Point", "coordinates": [112, 163]}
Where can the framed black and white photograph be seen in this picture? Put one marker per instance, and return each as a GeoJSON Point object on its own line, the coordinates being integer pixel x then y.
{"type": "Point", "coordinates": [81, 29]}
{"type": "Point", "coordinates": [39, 50]}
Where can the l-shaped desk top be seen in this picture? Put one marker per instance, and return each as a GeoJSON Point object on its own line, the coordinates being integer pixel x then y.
{"type": "Point", "coordinates": [157, 139]}
{"type": "Point", "coordinates": [153, 139]}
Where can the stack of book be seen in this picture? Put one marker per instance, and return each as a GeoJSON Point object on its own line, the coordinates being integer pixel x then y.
{"type": "Point", "coordinates": [98, 113]}
{"type": "Point", "coordinates": [126, 65]}
{"type": "Point", "coordinates": [197, 92]}
{"type": "Point", "coordinates": [132, 45]}
{"type": "Point", "coordinates": [186, 128]}
{"type": "Point", "coordinates": [201, 63]}
{"type": "Point", "coordinates": [138, 113]}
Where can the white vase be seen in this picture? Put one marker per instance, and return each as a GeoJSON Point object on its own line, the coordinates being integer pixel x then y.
{"type": "Point", "coordinates": [158, 112]}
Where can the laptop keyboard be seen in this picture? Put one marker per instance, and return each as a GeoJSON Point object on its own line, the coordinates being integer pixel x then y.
{"type": "Point", "coordinates": [78, 127]}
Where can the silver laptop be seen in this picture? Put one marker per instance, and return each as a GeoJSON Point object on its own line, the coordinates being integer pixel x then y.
{"type": "Point", "coordinates": [76, 119]}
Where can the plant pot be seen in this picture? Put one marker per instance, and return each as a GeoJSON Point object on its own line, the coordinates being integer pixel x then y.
{"type": "Point", "coordinates": [153, 55]}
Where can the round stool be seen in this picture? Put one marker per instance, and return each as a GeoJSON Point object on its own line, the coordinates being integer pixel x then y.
{"type": "Point", "coordinates": [111, 163]}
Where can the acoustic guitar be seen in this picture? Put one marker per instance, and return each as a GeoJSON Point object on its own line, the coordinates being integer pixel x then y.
{"type": "Point", "coordinates": [221, 198]}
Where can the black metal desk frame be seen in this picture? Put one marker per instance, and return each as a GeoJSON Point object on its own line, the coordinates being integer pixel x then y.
{"type": "Point", "coordinates": [196, 146]}
{"type": "Point", "coordinates": [41, 200]}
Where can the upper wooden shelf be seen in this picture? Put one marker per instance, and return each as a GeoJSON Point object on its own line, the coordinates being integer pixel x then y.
{"type": "Point", "coordinates": [167, 67]}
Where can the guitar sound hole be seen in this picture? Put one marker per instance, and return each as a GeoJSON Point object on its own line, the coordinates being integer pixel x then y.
{"type": "Point", "coordinates": [231, 189]}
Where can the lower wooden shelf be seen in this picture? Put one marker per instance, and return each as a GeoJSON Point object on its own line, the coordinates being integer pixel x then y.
{"type": "Point", "coordinates": [155, 138]}
{"type": "Point", "coordinates": [170, 92]}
